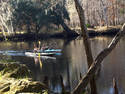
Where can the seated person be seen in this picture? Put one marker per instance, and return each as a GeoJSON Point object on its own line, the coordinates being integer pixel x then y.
{"type": "Point", "coordinates": [35, 48]}
{"type": "Point", "coordinates": [43, 48]}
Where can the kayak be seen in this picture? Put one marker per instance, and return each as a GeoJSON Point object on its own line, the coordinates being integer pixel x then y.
{"type": "Point", "coordinates": [50, 50]}
{"type": "Point", "coordinates": [31, 53]}
{"type": "Point", "coordinates": [12, 53]}
{"type": "Point", "coordinates": [53, 50]}
{"type": "Point", "coordinates": [38, 54]}
{"type": "Point", "coordinates": [43, 57]}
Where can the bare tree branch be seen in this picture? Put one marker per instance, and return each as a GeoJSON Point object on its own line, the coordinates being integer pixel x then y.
{"type": "Point", "coordinates": [85, 80]}
{"type": "Point", "coordinates": [6, 16]}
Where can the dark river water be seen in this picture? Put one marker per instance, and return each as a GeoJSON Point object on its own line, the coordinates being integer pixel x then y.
{"type": "Point", "coordinates": [71, 64]}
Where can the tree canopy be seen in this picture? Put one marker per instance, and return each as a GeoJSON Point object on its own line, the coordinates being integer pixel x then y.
{"type": "Point", "coordinates": [33, 15]}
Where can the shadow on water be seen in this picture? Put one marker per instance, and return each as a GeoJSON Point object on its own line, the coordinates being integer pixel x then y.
{"type": "Point", "coordinates": [64, 72]}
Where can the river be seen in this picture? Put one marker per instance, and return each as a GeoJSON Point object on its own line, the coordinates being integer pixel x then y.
{"type": "Point", "coordinates": [71, 64]}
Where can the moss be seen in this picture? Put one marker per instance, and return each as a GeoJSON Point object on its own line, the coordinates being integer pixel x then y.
{"type": "Point", "coordinates": [7, 59]}
{"type": "Point", "coordinates": [26, 86]}
{"type": "Point", "coordinates": [15, 78]}
{"type": "Point", "coordinates": [15, 71]}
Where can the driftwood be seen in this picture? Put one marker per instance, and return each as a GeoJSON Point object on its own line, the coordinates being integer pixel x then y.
{"type": "Point", "coordinates": [85, 80]}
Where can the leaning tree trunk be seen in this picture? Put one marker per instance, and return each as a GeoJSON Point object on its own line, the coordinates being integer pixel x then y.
{"type": "Point", "coordinates": [65, 27]}
{"type": "Point", "coordinates": [86, 44]}
{"type": "Point", "coordinates": [67, 31]}
{"type": "Point", "coordinates": [100, 57]}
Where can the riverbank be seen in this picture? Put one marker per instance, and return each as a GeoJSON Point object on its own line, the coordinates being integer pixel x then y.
{"type": "Point", "coordinates": [92, 32]}
{"type": "Point", "coordinates": [104, 30]}
{"type": "Point", "coordinates": [41, 36]}
{"type": "Point", "coordinates": [16, 78]}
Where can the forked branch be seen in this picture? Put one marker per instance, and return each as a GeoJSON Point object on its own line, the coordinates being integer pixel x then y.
{"type": "Point", "coordinates": [100, 57]}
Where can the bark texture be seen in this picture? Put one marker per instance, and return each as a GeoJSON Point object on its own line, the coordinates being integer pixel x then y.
{"type": "Point", "coordinates": [86, 44]}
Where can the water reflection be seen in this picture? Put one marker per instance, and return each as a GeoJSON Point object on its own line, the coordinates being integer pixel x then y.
{"type": "Point", "coordinates": [37, 61]}
{"type": "Point", "coordinates": [66, 70]}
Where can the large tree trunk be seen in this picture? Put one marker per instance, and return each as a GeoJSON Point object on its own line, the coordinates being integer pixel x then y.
{"type": "Point", "coordinates": [91, 72]}
{"type": "Point", "coordinates": [86, 44]}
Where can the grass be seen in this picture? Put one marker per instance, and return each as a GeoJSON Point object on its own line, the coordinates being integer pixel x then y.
{"type": "Point", "coordinates": [45, 92]}
{"type": "Point", "coordinates": [100, 28]}
{"type": "Point", "coordinates": [0, 76]}
{"type": "Point", "coordinates": [18, 32]}
{"type": "Point", "coordinates": [105, 28]}
{"type": "Point", "coordinates": [8, 61]}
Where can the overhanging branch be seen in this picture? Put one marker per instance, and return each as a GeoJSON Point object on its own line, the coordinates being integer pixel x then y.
{"type": "Point", "coordinates": [100, 57]}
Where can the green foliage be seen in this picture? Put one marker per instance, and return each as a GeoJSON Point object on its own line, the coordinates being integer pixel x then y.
{"type": "Point", "coordinates": [34, 15]}
{"type": "Point", "coordinates": [88, 25]}
{"type": "Point", "coordinates": [122, 11]}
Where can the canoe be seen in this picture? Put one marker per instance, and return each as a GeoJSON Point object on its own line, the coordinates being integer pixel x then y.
{"type": "Point", "coordinates": [33, 54]}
